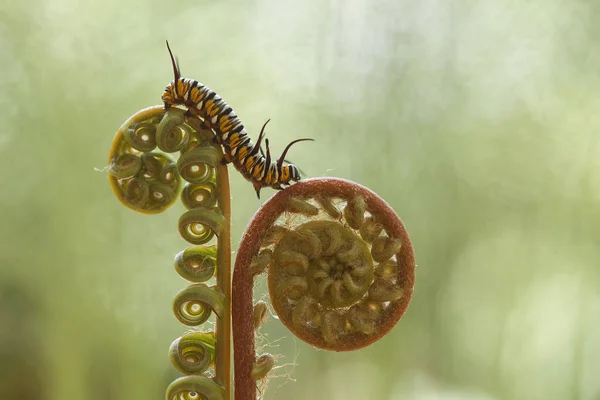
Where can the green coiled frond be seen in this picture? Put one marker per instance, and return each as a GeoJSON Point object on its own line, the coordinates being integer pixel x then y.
{"type": "Point", "coordinates": [202, 195]}
{"type": "Point", "coordinates": [145, 177]}
{"type": "Point", "coordinates": [196, 263]}
{"type": "Point", "coordinates": [142, 179]}
{"type": "Point", "coordinates": [193, 352]}
{"type": "Point", "coordinates": [125, 166]}
{"type": "Point", "coordinates": [192, 306]}
{"type": "Point", "coordinates": [198, 225]}
{"type": "Point", "coordinates": [171, 136]}
{"type": "Point", "coordinates": [141, 135]}
{"type": "Point", "coordinates": [263, 365]}
{"type": "Point", "coordinates": [197, 165]}
{"type": "Point", "coordinates": [192, 386]}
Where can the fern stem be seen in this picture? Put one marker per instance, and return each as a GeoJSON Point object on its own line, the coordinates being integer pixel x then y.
{"type": "Point", "coordinates": [223, 329]}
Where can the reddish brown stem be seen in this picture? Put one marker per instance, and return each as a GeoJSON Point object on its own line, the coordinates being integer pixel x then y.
{"type": "Point", "coordinates": [243, 326]}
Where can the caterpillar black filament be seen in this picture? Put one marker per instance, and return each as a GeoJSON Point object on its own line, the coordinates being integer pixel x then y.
{"type": "Point", "coordinates": [248, 158]}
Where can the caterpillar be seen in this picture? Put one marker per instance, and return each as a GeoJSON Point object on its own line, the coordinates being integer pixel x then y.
{"type": "Point", "coordinates": [249, 159]}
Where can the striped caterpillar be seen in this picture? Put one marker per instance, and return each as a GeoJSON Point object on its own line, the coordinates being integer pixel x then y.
{"type": "Point", "coordinates": [248, 158]}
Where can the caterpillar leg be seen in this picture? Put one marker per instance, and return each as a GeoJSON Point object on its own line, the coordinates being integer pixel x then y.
{"type": "Point", "coordinates": [226, 159]}
{"type": "Point", "coordinates": [204, 124]}
{"type": "Point", "coordinates": [257, 188]}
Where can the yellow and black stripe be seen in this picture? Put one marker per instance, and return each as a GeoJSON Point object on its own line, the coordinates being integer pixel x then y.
{"type": "Point", "coordinates": [248, 158]}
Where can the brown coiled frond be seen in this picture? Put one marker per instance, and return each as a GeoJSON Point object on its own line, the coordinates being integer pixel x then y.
{"type": "Point", "coordinates": [340, 268]}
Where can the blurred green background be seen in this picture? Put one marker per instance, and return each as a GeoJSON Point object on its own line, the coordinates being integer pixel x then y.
{"type": "Point", "coordinates": [477, 121]}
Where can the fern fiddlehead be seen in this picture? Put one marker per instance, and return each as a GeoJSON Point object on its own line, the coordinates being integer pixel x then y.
{"type": "Point", "coordinates": [340, 271]}
{"type": "Point", "coordinates": [142, 178]}
{"type": "Point", "coordinates": [148, 180]}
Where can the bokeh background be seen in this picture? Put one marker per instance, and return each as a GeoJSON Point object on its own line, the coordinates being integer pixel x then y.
{"type": "Point", "coordinates": [477, 121]}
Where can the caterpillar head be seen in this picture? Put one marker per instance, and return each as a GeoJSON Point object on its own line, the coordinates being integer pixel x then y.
{"type": "Point", "coordinates": [294, 172]}
{"type": "Point", "coordinates": [288, 172]}
{"type": "Point", "coordinates": [276, 174]}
